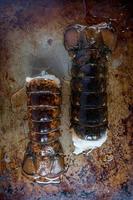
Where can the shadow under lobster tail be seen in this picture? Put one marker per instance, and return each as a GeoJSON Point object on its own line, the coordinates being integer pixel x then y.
{"type": "Point", "coordinates": [89, 47]}
{"type": "Point", "coordinates": [44, 159]}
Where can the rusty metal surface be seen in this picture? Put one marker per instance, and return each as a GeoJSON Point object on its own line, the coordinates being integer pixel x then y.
{"type": "Point", "coordinates": [31, 37]}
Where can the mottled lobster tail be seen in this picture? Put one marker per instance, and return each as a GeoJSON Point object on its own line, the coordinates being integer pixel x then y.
{"type": "Point", "coordinates": [43, 160]}
{"type": "Point", "coordinates": [88, 84]}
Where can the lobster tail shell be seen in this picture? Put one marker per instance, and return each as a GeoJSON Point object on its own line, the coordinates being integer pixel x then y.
{"type": "Point", "coordinates": [86, 47]}
{"type": "Point", "coordinates": [44, 160]}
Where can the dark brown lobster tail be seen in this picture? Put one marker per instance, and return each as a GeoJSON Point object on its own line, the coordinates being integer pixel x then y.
{"type": "Point", "coordinates": [43, 160]}
{"type": "Point", "coordinates": [88, 84]}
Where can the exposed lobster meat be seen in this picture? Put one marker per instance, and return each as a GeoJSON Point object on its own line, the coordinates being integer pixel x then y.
{"type": "Point", "coordinates": [43, 160]}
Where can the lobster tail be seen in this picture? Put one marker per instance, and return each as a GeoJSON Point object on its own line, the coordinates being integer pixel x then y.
{"type": "Point", "coordinates": [44, 160]}
{"type": "Point", "coordinates": [89, 116]}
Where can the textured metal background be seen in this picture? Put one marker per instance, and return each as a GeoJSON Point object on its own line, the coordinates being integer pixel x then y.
{"type": "Point", "coordinates": [31, 38]}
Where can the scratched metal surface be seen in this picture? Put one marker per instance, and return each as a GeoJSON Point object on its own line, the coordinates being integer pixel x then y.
{"type": "Point", "coordinates": [31, 38]}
